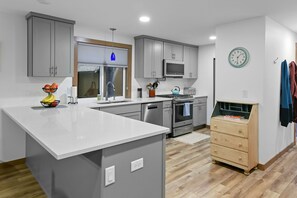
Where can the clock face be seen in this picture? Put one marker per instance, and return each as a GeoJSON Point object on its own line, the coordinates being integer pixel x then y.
{"type": "Point", "coordinates": [238, 57]}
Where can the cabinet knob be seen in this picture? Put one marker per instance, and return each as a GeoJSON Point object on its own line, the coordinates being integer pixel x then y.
{"type": "Point", "coordinates": [215, 151]}
{"type": "Point", "coordinates": [215, 126]}
{"type": "Point", "coordinates": [215, 139]}
{"type": "Point", "coordinates": [240, 145]}
{"type": "Point", "coordinates": [240, 158]}
{"type": "Point", "coordinates": [240, 131]}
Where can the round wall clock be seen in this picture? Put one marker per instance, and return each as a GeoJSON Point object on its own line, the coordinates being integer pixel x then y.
{"type": "Point", "coordinates": [239, 57]}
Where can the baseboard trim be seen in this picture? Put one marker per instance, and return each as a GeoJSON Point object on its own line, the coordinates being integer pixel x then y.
{"type": "Point", "coordinates": [13, 163]}
{"type": "Point", "coordinates": [270, 162]}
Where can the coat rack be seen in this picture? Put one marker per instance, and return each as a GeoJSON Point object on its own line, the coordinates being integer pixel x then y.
{"type": "Point", "coordinates": [275, 61]}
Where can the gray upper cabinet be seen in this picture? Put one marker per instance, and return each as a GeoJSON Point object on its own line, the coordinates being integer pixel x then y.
{"type": "Point", "coordinates": [50, 46]}
{"type": "Point", "coordinates": [148, 58]}
{"type": "Point", "coordinates": [191, 62]}
{"type": "Point", "coordinates": [173, 51]}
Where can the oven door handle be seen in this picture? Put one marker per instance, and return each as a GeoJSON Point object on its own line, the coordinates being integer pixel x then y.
{"type": "Point", "coordinates": [181, 104]}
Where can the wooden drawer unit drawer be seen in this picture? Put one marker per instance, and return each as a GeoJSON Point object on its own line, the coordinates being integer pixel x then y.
{"type": "Point", "coordinates": [229, 154]}
{"type": "Point", "coordinates": [230, 141]}
{"type": "Point", "coordinates": [232, 128]}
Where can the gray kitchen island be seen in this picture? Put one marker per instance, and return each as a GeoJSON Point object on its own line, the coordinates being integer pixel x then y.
{"type": "Point", "coordinates": [76, 152]}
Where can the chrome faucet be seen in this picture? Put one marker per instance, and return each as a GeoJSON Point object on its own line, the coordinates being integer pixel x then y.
{"type": "Point", "coordinates": [106, 94]}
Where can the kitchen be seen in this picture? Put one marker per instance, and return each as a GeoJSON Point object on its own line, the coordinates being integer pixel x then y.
{"type": "Point", "coordinates": [19, 90]}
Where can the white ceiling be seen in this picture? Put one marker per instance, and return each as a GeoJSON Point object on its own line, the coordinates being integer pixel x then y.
{"type": "Point", "coordinates": [189, 21]}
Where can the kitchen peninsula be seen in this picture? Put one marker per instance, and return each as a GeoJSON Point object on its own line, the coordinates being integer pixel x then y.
{"type": "Point", "coordinates": [75, 151]}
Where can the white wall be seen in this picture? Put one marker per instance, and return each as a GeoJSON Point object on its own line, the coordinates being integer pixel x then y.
{"type": "Point", "coordinates": [279, 43]}
{"type": "Point", "coordinates": [204, 84]}
{"type": "Point", "coordinates": [232, 82]}
{"type": "Point", "coordinates": [260, 78]}
{"type": "Point", "coordinates": [16, 87]}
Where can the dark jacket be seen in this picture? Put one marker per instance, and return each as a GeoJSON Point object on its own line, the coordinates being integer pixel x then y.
{"type": "Point", "coordinates": [293, 82]}
{"type": "Point", "coordinates": [286, 115]}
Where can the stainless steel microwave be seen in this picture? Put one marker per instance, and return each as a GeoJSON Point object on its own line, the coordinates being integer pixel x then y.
{"type": "Point", "coordinates": [174, 69]}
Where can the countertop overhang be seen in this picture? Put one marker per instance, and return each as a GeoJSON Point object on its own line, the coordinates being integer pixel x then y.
{"type": "Point", "coordinates": [77, 129]}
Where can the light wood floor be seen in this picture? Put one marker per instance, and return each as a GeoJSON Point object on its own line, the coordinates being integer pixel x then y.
{"type": "Point", "coordinates": [189, 174]}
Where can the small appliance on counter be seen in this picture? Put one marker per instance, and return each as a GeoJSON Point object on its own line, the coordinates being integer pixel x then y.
{"type": "Point", "coordinates": [73, 97]}
{"type": "Point", "coordinates": [139, 92]}
{"type": "Point", "coordinates": [190, 91]}
{"type": "Point", "coordinates": [175, 90]}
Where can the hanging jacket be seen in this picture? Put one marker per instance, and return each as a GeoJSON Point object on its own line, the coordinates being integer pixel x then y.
{"type": "Point", "coordinates": [286, 115]}
{"type": "Point", "coordinates": [293, 79]}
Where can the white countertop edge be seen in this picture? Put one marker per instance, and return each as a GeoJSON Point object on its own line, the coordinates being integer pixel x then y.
{"type": "Point", "coordinates": [79, 152]}
{"type": "Point", "coordinates": [108, 145]}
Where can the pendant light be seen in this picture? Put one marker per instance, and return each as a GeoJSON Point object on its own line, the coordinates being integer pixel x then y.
{"type": "Point", "coordinates": [113, 56]}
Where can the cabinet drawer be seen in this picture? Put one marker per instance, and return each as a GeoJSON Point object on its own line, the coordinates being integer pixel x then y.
{"type": "Point", "coordinates": [228, 127]}
{"type": "Point", "coordinates": [167, 104]}
{"type": "Point", "coordinates": [229, 154]}
{"type": "Point", "coordinates": [200, 100]}
{"type": "Point", "coordinates": [122, 109]}
{"type": "Point", "coordinates": [230, 141]}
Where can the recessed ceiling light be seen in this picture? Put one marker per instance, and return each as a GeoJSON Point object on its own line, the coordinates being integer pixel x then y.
{"type": "Point", "coordinates": [212, 38]}
{"type": "Point", "coordinates": [45, 2]}
{"type": "Point", "coordinates": [144, 19]}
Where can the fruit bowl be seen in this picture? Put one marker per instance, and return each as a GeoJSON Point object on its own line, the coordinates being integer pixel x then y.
{"type": "Point", "coordinates": [49, 105]}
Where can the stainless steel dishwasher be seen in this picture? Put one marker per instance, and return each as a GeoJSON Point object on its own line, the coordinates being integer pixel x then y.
{"type": "Point", "coordinates": [152, 113]}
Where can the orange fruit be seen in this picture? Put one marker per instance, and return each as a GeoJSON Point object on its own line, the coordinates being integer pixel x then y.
{"type": "Point", "coordinates": [47, 88]}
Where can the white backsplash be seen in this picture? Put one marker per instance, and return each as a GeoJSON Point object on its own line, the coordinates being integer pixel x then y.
{"type": "Point", "coordinates": [164, 86]}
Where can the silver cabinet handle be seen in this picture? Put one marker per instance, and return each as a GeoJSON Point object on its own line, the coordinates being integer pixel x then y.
{"type": "Point", "coordinates": [55, 70]}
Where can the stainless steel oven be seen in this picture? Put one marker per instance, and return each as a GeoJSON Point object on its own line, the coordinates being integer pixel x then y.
{"type": "Point", "coordinates": [182, 116]}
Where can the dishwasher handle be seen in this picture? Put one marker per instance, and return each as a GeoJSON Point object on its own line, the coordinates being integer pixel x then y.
{"type": "Point", "coordinates": [152, 107]}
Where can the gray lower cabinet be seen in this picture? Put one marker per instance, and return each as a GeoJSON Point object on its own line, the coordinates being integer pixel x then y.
{"type": "Point", "coordinates": [83, 176]}
{"type": "Point", "coordinates": [50, 46]}
{"type": "Point", "coordinates": [129, 111]}
{"type": "Point", "coordinates": [133, 115]}
{"type": "Point", "coordinates": [199, 111]}
{"type": "Point", "coordinates": [148, 58]}
{"type": "Point", "coordinates": [191, 62]}
{"type": "Point", "coordinates": [167, 115]}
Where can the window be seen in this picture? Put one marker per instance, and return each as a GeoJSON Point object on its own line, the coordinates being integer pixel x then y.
{"type": "Point", "coordinates": [95, 71]}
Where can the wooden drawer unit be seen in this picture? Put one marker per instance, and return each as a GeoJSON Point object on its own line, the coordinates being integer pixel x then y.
{"type": "Point", "coordinates": [232, 155]}
{"type": "Point", "coordinates": [230, 141]}
{"type": "Point", "coordinates": [234, 134]}
{"type": "Point", "coordinates": [232, 128]}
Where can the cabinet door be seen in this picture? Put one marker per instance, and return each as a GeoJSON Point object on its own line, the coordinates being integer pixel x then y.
{"type": "Point", "coordinates": [63, 49]}
{"type": "Point", "coordinates": [201, 114]}
{"type": "Point", "coordinates": [153, 57]}
{"type": "Point", "coordinates": [167, 118]}
{"type": "Point", "coordinates": [43, 52]}
{"type": "Point", "coordinates": [173, 52]}
{"type": "Point", "coordinates": [191, 62]}
{"type": "Point", "coordinates": [158, 59]}
{"type": "Point", "coordinates": [148, 58]}
{"type": "Point", "coordinates": [195, 116]}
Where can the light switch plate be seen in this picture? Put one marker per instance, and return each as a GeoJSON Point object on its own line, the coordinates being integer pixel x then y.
{"type": "Point", "coordinates": [137, 164]}
{"type": "Point", "coordinates": [109, 175]}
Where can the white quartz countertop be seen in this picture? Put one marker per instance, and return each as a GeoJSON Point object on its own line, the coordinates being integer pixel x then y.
{"type": "Point", "coordinates": [71, 130]}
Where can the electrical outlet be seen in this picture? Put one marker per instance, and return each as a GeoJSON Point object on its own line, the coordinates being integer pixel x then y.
{"type": "Point", "coordinates": [136, 165]}
{"type": "Point", "coordinates": [109, 175]}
